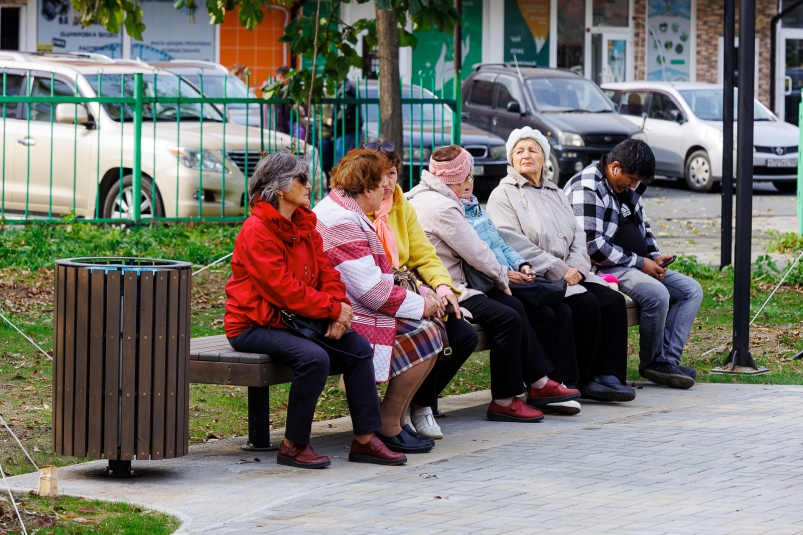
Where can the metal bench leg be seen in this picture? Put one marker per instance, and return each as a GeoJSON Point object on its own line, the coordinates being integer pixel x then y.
{"type": "Point", "coordinates": [259, 420]}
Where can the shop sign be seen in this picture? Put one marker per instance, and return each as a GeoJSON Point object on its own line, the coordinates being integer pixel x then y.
{"type": "Point", "coordinates": [433, 57]}
{"type": "Point", "coordinates": [669, 40]}
{"type": "Point", "coordinates": [171, 33]}
{"type": "Point", "coordinates": [59, 30]}
{"type": "Point", "coordinates": [527, 31]}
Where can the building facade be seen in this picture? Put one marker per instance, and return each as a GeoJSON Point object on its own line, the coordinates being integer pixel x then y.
{"type": "Point", "coordinates": [604, 40]}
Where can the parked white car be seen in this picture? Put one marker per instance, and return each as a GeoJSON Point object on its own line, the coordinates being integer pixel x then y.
{"type": "Point", "coordinates": [59, 167]}
{"type": "Point", "coordinates": [683, 124]}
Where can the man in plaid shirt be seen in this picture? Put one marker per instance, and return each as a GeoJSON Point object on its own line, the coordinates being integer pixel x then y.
{"type": "Point", "coordinates": [606, 199]}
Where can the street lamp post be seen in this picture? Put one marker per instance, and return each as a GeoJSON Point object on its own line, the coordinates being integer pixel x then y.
{"type": "Point", "coordinates": [726, 244]}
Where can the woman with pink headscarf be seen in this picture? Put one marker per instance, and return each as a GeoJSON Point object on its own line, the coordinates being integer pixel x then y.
{"type": "Point", "coordinates": [519, 362]}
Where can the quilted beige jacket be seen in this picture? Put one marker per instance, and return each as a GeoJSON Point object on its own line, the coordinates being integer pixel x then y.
{"type": "Point", "coordinates": [443, 219]}
{"type": "Point", "coordinates": [540, 225]}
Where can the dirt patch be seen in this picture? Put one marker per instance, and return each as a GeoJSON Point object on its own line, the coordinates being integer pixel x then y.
{"type": "Point", "coordinates": [26, 292]}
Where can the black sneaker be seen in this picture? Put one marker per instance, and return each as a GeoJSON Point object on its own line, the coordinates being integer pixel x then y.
{"type": "Point", "coordinates": [667, 374]}
{"type": "Point", "coordinates": [688, 370]}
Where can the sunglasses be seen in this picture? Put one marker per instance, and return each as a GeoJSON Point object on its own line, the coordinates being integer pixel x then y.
{"type": "Point", "coordinates": [303, 180]}
{"type": "Point", "coordinates": [387, 146]}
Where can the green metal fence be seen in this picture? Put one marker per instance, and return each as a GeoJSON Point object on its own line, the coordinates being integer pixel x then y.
{"type": "Point", "coordinates": [123, 146]}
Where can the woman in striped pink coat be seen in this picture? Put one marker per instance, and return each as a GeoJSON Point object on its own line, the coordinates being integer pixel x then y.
{"type": "Point", "coordinates": [391, 318]}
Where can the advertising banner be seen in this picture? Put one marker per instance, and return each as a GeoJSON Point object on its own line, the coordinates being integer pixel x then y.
{"type": "Point", "coordinates": [59, 30]}
{"type": "Point", "coordinates": [170, 33]}
{"type": "Point", "coordinates": [527, 31]}
{"type": "Point", "coordinates": [669, 40]}
{"type": "Point", "coordinates": [434, 55]}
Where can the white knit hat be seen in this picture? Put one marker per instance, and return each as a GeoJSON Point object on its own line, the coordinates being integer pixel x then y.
{"type": "Point", "coordinates": [526, 133]}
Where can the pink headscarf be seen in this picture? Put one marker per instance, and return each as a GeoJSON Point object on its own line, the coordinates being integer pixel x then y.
{"type": "Point", "coordinates": [453, 171]}
{"type": "Point", "coordinates": [385, 233]}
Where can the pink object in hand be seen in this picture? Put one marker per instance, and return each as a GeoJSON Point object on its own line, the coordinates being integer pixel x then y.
{"type": "Point", "coordinates": [612, 281]}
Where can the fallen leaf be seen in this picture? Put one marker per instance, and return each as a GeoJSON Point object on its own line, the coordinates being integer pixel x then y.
{"type": "Point", "coordinates": [639, 388]}
{"type": "Point", "coordinates": [244, 461]}
{"type": "Point", "coordinates": [28, 388]}
{"type": "Point", "coordinates": [438, 498]}
{"type": "Point", "coordinates": [44, 521]}
{"type": "Point", "coordinates": [261, 525]}
{"type": "Point", "coordinates": [211, 436]}
{"type": "Point", "coordinates": [428, 476]}
{"type": "Point", "coordinates": [86, 510]}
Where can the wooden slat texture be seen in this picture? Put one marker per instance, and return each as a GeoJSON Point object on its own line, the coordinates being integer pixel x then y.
{"type": "Point", "coordinates": [145, 372]}
{"type": "Point", "coordinates": [225, 373]}
{"type": "Point", "coordinates": [111, 383]}
{"type": "Point", "coordinates": [159, 364]}
{"type": "Point", "coordinates": [95, 387]}
{"type": "Point", "coordinates": [128, 379]}
{"type": "Point", "coordinates": [69, 362]}
{"type": "Point", "coordinates": [58, 353]}
{"type": "Point", "coordinates": [182, 386]}
{"type": "Point", "coordinates": [81, 359]}
{"type": "Point", "coordinates": [172, 357]}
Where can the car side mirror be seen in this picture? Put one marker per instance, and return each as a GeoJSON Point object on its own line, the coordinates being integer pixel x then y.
{"type": "Point", "coordinates": [675, 115]}
{"type": "Point", "coordinates": [71, 114]}
{"type": "Point", "coordinates": [514, 107]}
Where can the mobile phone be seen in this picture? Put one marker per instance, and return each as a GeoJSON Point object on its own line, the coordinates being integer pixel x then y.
{"type": "Point", "coordinates": [668, 262]}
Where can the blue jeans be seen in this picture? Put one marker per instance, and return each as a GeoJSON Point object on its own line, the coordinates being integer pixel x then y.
{"type": "Point", "coordinates": [668, 309]}
{"type": "Point", "coordinates": [311, 365]}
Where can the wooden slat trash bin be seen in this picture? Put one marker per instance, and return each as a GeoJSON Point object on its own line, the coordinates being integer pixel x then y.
{"type": "Point", "coordinates": [120, 359]}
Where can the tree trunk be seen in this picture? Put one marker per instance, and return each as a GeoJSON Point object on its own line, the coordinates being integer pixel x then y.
{"type": "Point", "coordinates": [390, 109]}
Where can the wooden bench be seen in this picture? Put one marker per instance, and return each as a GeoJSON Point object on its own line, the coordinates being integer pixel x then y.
{"type": "Point", "coordinates": [213, 361]}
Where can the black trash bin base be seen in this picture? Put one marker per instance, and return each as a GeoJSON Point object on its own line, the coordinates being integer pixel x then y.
{"type": "Point", "coordinates": [119, 469]}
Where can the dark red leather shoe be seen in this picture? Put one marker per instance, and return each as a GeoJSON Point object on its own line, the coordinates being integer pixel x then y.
{"type": "Point", "coordinates": [301, 456]}
{"type": "Point", "coordinates": [515, 412]}
{"type": "Point", "coordinates": [552, 392]}
{"type": "Point", "coordinates": [375, 452]}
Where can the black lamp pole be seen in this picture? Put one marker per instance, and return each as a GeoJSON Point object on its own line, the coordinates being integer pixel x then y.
{"type": "Point", "coordinates": [740, 354]}
{"type": "Point", "coordinates": [726, 245]}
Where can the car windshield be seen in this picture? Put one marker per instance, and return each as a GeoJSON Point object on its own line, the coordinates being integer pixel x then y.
{"type": "Point", "coordinates": [425, 113]}
{"type": "Point", "coordinates": [564, 95]}
{"type": "Point", "coordinates": [219, 86]}
{"type": "Point", "coordinates": [116, 85]}
{"type": "Point", "coordinates": [707, 105]}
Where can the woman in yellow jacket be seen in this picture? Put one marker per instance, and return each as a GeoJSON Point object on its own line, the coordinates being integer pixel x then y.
{"type": "Point", "coordinates": [407, 246]}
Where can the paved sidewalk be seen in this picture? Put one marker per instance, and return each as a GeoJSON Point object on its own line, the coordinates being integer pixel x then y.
{"type": "Point", "coordinates": [713, 459]}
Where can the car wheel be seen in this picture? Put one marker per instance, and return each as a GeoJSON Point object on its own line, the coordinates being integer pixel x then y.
{"type": "Point", "coordinates": [698, 172]}
{"type": "Point", "coordinates": [121, 206]}
{"type": "Point", "coordinates": [785, 186]}
{"type": "Point", "coordinates": [551, 170]}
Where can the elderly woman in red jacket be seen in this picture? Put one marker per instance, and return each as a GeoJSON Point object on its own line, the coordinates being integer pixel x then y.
{"type": "Point", "coordinates": [279, 266]}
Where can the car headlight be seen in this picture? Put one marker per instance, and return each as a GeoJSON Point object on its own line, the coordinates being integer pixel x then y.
{"type": "Point", "coordinates": [199, 160]}
{"type": "Point", "coordinates": [419, 154]}
{"type": "Point", "coordinates": [570, 139]}
{"type": "Point", "coordinates": [499, 152]}
{"type": "Point", "coordinates": [641, 136]}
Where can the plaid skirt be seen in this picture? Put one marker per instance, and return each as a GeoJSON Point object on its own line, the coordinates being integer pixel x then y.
{"type": "Point", "coordinates": [416, 341]}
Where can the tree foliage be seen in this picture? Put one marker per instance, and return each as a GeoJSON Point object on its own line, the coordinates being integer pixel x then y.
{"type": "Point", "coordinates": [337, 40]}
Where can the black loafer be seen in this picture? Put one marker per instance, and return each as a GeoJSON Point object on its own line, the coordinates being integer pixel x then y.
{"type": "Point", "coordinates": [405, 443]}
{"type": "Point", "coordinates": [667, 374]}
{"type": "Point", "coordinates": [608, 388]}
{"type": "Point", "coordinates": [410, 432]}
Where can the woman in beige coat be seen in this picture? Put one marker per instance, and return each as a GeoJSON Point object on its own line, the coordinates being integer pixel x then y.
{"type": "Point", "coordinates": [517, 357]}
{"type": "Point", "coordinates": [535, 218]}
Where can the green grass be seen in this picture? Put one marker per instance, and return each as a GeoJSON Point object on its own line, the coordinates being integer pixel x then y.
{"type": "Point", "coordinates": [73, 516]}
{"type": "Point", "coordinates": [218, 411]}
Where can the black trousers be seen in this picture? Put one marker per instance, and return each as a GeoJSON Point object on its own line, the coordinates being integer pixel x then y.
{"type": "Point", "coordinates": [311, 365]}
{"type": "Point", "coordinates": [553, 327]}
{"type": "Point", "coordinates": [517, 357]}
{"type": "Point", "coordinates": [463, 340]}
{"type": "Point", "coordinates": [599, 317]}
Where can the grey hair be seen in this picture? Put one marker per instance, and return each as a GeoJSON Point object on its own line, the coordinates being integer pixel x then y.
{"type": "Point", "coordinates": [273, 174]}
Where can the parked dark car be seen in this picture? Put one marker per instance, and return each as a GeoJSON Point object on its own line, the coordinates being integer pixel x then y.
{"type": "Point", "coordinates": [579, 121]}
{"type": "Point", "coordinates": [427, 127]}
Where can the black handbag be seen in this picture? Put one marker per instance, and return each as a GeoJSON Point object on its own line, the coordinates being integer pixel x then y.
{"type": "Point", "coordinates": [540, 292]}
{"type": "Point", "coordinates": [314, 330]}
{"type": "Point", "coordinates": [477, 280]}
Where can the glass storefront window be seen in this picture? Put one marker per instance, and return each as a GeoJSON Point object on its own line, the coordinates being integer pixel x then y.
{"type": "Point", "coordinates": [793, 19]}
{"type": "Point", "coordinates": [571, 34]}
{"type": "Point", "coordinates": [610, 13]}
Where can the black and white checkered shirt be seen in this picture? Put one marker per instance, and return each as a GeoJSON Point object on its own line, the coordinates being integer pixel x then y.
{"type": "Point", "coordinates": [597, 209]}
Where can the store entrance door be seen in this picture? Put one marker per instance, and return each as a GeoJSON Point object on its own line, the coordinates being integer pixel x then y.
{"type": "Point", "coordinates": [611, 58]}
{"type": "Point", "coordinates": [790, 80]}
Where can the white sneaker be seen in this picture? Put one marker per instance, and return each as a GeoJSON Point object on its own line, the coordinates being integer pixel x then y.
{"type": "Point", "coordinates": [424, 423]}
{"type": "Point", "coordinates": [566, 407]}
{"type": "Point", "coordinates": [407, 416]}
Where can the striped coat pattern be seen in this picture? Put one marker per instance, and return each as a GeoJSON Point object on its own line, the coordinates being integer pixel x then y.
{"type": "Point", "coordinates": [351, 243]}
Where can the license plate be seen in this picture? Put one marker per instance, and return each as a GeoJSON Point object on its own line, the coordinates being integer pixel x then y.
{"type": "Point", "coordinates": [782, 162]}
{"type": "Point", "coordinates": [479, 170]}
